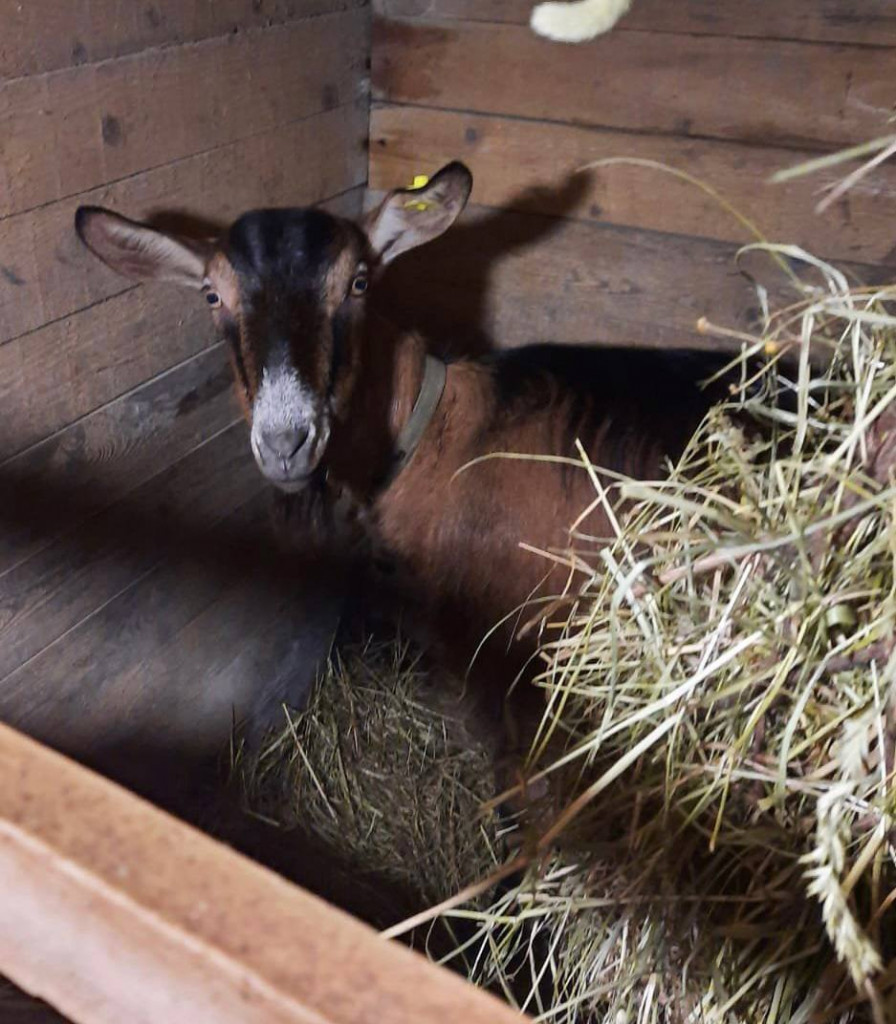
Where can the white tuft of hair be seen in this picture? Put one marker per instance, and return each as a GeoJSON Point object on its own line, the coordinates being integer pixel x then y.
{"type": "Point", "coordinates": [577, 22]}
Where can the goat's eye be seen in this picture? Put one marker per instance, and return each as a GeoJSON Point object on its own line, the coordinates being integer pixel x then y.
{"type": "Point", "coordinates": [359, 284]}
{"type": "Point", "coordinates": [213, 299]}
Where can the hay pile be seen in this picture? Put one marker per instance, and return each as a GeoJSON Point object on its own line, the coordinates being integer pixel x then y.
{"type": "Point", "coordinates": [719, 841]}
{"type": "Point", "coordinates": [384, 768]}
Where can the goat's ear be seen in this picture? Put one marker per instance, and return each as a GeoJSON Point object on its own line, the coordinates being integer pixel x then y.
{"type": "Point", "coordinates": [139, 251]}
{"type": "Point", "coordinates": [411, 217]}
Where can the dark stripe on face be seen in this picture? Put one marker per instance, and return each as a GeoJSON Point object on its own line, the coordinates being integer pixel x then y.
{"type": "Point", "coordinates": [341, 328]}
{"type": "Point", "coordinates": [232, 337]}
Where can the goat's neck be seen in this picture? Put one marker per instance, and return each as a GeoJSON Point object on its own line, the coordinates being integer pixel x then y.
{"type": "Point", "coordinates": [389, 375]}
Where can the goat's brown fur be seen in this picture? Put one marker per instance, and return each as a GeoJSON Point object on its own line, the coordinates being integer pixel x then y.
{"type": "Point", "coordinates": [456, 529]}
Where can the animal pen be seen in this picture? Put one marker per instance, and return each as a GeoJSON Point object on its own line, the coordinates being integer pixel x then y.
{"type": "Point", "coordinates": [701, 825]}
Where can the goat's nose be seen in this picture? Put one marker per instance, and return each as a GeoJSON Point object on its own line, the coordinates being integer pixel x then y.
{"type": "Point", "coordinates": [284, 443]}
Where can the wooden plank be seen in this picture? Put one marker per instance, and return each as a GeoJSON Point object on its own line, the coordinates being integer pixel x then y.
{"type": "Point", "coordinates": [871, 22]}
{"type": "Point", "coordinates": [55, 375]}
{"type": "Point", "coordinates": [45, 596]}
{"type": "Point", "coordinates": [39, 37]}
{"type": "Point", "coordinates": [523, 163]}
{"type": "Point", "coordinates": [113, 450]}
{"type": "Point", "coordinates": [70, 131]}
{"type": "Point", "coordinates": [191, 673]}
{"type": "Point", "coordinates": [349, 204]}
{"type": "Point", "coordinates": [114, 911]}
{"type": "Point", "coordinates": [504, 278]}
{"type": "Point", "coordinates": [142, 664]}
{"type": "Point", "coordinates": [743, 89]}
{"type": "Point", "coordinates": [46, 274]}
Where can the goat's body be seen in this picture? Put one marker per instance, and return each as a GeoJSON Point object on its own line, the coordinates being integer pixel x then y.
{"type": "Point", "coordinates": [456, 529]}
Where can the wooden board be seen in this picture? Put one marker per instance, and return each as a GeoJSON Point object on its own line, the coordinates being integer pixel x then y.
{"type": "Point", "coordinates": [114, 912]}
{"type": "Point", "coordinates": [46, 36]}
{"type": "Point", "coordinates": [744, 89]}
{"type": "Point", "coordinates": [70, 131]}
{"type": "Point", "coordinates": [96, 687]}
{"type": "Point", "coordinates": [55, 375]}
{"type": "Point", "coordinates": [521, 162]}
{"type": "Point", "coordinates": [97, 460]}
{"type": "Point", "coordinates": [507, 278]}
{"type": "Point", "coordinates": [45, 596]}
{"type": "Point", "coordinates": [46, 274]}
{"type": "Point", "coordinates": [870, 22]}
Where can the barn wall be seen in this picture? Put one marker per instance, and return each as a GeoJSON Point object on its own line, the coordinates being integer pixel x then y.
{"type": "Point", "coordinates": [725, 90]}
{"type": "Point", "coordinates": [118, 429]}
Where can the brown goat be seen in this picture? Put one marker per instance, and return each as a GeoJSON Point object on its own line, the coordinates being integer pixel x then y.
{"type": "Point", "coordinates": [330, 387]}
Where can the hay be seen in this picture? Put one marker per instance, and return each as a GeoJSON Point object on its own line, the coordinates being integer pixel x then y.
{"type": "Point", "coordinates": [383, 767]}
{"type": "Point", "coordinates": [718, 841]}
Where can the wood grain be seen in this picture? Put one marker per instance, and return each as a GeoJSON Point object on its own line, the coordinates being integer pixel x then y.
{"type": "Point", "coordinates": [103, 456]}
{"type": "Point", "coordinates": [46, 274]}
{"type": "Point", "coordinates": [504, 278]}
{"type": "Point", "coordinates": [115, 911]}
{"type": "Point", "coordinates": [51, 377]}
{"type": "Point", "coordinates": [93, 687]}
{"type": "Point", "coordinates": [518, 161]}
{"type": "Point", "coordinates": [86, 566]}
{"type": "Point", "coordinates": [869, 22]}
{"type": "Point", "coordinates": [743, 89]}
{"type": "Point", "coordinates": [70, 131]}
{"type": "Point", "coordinates": [39, 37]}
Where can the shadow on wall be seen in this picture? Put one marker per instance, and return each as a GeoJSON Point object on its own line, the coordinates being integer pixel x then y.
{"type": "Point", "coordinates": [441, 290]}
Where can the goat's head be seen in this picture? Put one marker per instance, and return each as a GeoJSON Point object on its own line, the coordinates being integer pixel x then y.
{"type": "Point", "coordinates": [287, 288]}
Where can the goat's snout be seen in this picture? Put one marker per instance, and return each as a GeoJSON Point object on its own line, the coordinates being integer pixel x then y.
{"type": "Point", "coordinates": [283, 444]}
{"type": "Point", "coordinates": [290, 429]}
{"type": "Point", "coordinates": [285, 454]}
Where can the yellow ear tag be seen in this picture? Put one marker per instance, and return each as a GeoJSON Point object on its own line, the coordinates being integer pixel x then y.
{"type": "Point", "coordinates": [420, 181]}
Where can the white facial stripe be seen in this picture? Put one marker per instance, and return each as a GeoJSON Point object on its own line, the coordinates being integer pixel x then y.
{"type": "Point", "coordinates": [283, 401]}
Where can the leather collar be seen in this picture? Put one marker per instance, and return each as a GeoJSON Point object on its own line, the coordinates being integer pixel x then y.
{"type": "Point", "coordinates": [430, 394]}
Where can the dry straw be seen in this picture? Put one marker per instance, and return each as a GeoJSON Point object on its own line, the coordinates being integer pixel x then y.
{"type": "Point", "coordinates": [723, 694]}
{"type": "Point", "coordinates": [383, 769]}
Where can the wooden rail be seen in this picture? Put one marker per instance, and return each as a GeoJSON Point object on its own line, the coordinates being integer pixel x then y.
{"type": "Point", "coordinates": [114, 911]}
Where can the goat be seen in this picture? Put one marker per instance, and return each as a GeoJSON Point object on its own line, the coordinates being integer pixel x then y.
{"type": "Point", "coordinates": [332, 388]}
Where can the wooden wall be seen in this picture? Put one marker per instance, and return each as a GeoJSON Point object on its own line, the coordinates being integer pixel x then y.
{"type": "Point", "coordinates": [121, 446]}
{"type": "Point", "coordinates": [726, 90]}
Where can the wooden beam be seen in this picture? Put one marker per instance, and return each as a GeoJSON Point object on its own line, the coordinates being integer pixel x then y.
{"type": "Point", "coordinates": [869, 22]}
{"type": "Point", "coordinates": [69, 131]}
{"type": "Point", "coordinates": [727, 88]}
{"type": "Point", "coordinates": [47, 37]}
{"type": "Point", "coordinates": [115, 911]}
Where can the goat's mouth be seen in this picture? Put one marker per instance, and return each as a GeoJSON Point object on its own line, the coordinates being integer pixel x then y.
{"type": "Point", "coordinates": [290, 485]}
